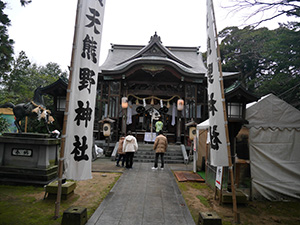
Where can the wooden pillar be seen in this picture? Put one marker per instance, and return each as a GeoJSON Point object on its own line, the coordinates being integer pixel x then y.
{"type": "Point", "coordinates": [124, 117]}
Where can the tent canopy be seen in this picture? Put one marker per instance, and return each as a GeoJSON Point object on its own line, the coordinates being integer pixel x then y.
{"type": "Point", "coordinates": [274, 147]}
{"type": "Point", "coordinates": [204, 125]}
{"type": "Point", "coordinates": [271, 111]}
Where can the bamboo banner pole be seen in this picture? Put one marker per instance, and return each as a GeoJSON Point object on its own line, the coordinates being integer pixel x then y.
{"type": "Point", "coordinates": [236, 219]}
{"type": "Point", "coordinates": [63, 137]}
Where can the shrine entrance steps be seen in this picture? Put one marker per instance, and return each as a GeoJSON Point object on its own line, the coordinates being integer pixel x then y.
{"type": "Point", "coordinates": [146, 154]}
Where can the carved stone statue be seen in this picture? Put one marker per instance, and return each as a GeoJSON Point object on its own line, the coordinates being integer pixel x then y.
{"type": "Point", "coordinates": [30, 109]}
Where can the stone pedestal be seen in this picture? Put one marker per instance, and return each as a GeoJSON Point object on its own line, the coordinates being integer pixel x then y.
{"type": "Point", "coordinates": [209, 218]}
{"type": "Point", "coordinates": [67, 189]}
{"type": "Point", "coordinates": [28, 158]}
{"type": "Point", "coordinates": [74, 216]}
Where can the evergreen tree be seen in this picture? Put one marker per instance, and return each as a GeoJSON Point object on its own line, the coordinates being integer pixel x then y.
{"type": "Point", "coordinates": [3, 125]}
{"type": "Point", "coordinates": [268, 60]}
{"type": "Point", "coordinates": [6, 44]}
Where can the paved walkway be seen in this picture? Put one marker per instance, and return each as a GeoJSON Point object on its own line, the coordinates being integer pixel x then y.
{"type": "Point", "coordinates": [143, 197]}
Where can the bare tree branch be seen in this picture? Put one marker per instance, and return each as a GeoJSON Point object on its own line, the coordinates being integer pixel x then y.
{"type": "Point", "coordinates": [25, 2]}
{"type": "Point", "coordinates": [261, 7]}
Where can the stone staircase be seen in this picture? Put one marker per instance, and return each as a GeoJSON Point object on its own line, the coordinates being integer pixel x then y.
{"type": "Point", "coordinates": [146, 154]}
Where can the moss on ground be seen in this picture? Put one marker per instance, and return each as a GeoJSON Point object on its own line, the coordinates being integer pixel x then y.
{"type": "Point", "coordinates": [25, 204]}
{"type": "Point", "coordinates": [203, 200]}
{"type": "Point", "coordinates": [253, 213]}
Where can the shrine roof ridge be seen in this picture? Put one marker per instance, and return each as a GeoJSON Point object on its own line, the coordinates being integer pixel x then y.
{"type": "Point", "coordinates": [188, 60]}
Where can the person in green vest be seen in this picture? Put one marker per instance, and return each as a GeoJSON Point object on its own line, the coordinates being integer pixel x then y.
{"type": "Point", "coordinates": [158, 126]}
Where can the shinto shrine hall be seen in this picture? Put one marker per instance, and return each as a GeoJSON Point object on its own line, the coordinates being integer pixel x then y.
{"type": "Point", "coordinates": [154, 81]}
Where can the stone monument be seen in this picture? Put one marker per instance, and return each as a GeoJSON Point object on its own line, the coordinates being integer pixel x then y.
{"type": "Point", "coordinates": [29, 157]}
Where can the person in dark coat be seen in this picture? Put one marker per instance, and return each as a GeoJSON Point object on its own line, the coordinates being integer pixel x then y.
{"type": "Point", "coordinates": [160, 147]}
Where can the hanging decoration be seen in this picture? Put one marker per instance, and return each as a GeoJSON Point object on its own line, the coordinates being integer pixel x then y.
{"type": "Point", "coordinates": [159, 99]}
{"type": "Point", "coordinates": [168, 104]}
{"type": "Point", "coordinates": [129, 113]}
{"type": "Point", "coordinates": [173, 114]}
{"type": "Point", "coordinates": [152, 102]}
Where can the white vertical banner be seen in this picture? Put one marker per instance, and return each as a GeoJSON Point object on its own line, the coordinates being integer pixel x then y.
{"type": "Point", "coordinates": [218, 140]}
{"type": "Point", "coordinates": [83, 89]}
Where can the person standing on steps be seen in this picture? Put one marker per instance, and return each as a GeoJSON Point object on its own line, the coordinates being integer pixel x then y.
{"type": "Point", "coordinates": [130, 146]}
{"type": "Point", "coordinates": [158, 126]}
{"type": "Point", "coordinates": [120, 151]}
{"type": "Point", "coordinates": [160, 147]}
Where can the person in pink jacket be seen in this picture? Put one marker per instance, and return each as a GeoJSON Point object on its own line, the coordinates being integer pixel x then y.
{"type": "Point", "coordinates": [160, 147]}
{"type": "Point", "coordinates": [120, 151]}
{"type": "Point", "coordinates": [130, 146]}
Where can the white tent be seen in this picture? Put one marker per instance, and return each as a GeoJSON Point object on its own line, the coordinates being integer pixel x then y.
{"type": "Point", "coordinates": [203, 139]}
{"type": "Point", "coordinates": [274, 146]}
{"type": "Point", "coordinates": [204, 125]}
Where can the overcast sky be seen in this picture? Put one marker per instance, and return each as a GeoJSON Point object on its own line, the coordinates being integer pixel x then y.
{"type": "Point", "coordinates": [44, 29]}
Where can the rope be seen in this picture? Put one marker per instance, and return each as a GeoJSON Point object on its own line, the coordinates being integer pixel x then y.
{"type": "Point", "coordinates": [154, 97]}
